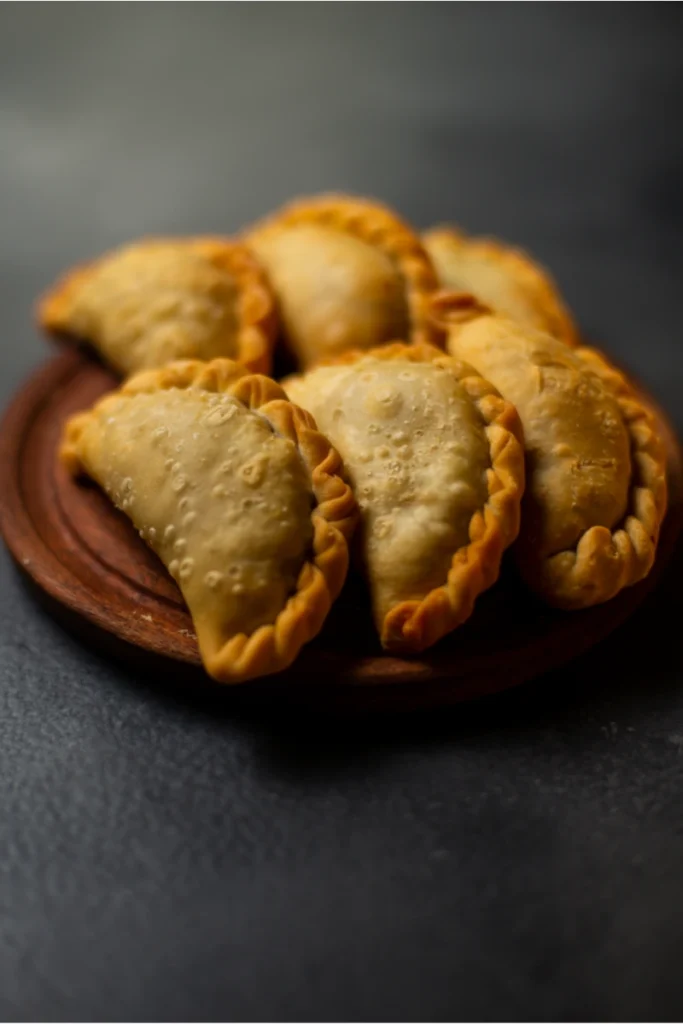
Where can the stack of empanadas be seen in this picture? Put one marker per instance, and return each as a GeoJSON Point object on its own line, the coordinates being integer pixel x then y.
{"type": "Point", "coordinates": [441, 409]}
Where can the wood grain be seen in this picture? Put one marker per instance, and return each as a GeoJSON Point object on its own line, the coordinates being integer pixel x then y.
{"type": "Point", "coordinates": [87, 556]}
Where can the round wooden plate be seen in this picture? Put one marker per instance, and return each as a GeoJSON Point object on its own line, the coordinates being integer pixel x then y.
{"type": "Point", "coordinates": [86, 555]}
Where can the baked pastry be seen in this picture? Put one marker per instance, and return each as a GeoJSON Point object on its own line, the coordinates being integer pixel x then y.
{"type": "Point", "coordinates": [159, 300]}
{"type": "Point", "coordinates": [596, 470]}
{"type": "Point", "coordinates": [237, 493]}
{"type": "Point", "coordinates": [435, 459]}
{"type": "Point", "coordinates": [503, 278]}
{"type": "Point", "coordinates": [347, 273]}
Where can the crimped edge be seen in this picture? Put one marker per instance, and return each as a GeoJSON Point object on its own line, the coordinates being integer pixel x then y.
{"type": "Point", "coordinates": [412, 626]}
{"type": "Point", "coordinates": [256, 309]}
{"type": "Point", "coordinates": [606, 561]}
{"type": "Point", "coordinates": [377, 225]}
{"type": "Point", "coordinates": [603, 561]}
{"type": "Point", "coordinates": [533, 277]}
{"type": "Point", "coordinates": [273, 647]}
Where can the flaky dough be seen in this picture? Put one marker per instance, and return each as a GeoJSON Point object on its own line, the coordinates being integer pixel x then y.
{"type": "Point", "coordinates": [239, 495]}
{"type": "Point", "coordinates": [435, 459]}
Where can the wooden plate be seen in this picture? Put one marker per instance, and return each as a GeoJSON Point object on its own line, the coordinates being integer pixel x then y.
{"type": "Point", "coordinates": [88, 557]}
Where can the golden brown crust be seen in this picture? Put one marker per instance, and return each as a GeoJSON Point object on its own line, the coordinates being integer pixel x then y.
{"type": "Point", "coordinates": [271, 648]}
{"type": "Point", "coordinates": [605, 561]}
{"type": "Point", "coordinates": [378, 226]}
{"type": "Point", "coordinates": [256, 303]}
{"type": "Point", "coordinates": [256, 314]}
{"type": "Point", "coordinates": [412, 626]}
{"type": "Point", "coordinates": [535, 280]}
{"type": "Point", "coordinates": [54, 306]}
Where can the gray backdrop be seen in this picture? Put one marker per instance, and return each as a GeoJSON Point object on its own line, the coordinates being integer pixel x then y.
{"type": "Point", "coordinates": [164, 856]}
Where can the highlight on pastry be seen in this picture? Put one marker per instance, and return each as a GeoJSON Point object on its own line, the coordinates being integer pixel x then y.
{"type": "Point", "coordinates": [435, 458]}
{"type": "Point", "coordinates": [348, 273]}
{"type": "Point", "coordinates": [596, 469]}
{"type": "Point", "coordinates": [238, 494]}
{"type": "Point", "coordinates": [446, 372]}
{"type": "Point", "coordinates": [502, 277]}
{"type": "Point", "coordinates": [163, 299]}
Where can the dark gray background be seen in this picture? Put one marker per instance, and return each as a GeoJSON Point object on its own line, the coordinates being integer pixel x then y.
{"type": "Point", "coordinates": [164, 856]}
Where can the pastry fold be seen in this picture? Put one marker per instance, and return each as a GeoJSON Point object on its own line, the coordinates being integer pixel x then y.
{"type": "Point", "coordinates": [596, 469]}
{"type": "Point", "coordinates": [435, 458]}
{"type": "Point", "coordinates": [348, 273]}
{"type": "Point", "coordinates": [164, 299]}
{"type": "Point", "coordinates": [502, 277]}
{"type": "Point", "coordinates": [239, 495]}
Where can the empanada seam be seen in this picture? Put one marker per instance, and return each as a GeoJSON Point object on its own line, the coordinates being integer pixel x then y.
{"type": "Point", "coordinates": [272, 647]}
{"type": "Point", "coordinates": [524, 268]}
{"type": "Point", "coordinates": [257, 316]}
{"type": "Point", "coordinates": [605, 560]}
{"type": "Point", "coordinates": [493, 527]}
{"type": "Point", "coordinates": [413, 625]}
{"type": "Point", "coordinates": [376, 225]}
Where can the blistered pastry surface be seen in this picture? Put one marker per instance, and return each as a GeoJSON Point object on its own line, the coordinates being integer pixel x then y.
{"type": "Point", "coordinates": [416, 453]}
{"type": "Point", "coordinates": [335, 291]}
{"type": "Point", "coordinates": [223, 500]}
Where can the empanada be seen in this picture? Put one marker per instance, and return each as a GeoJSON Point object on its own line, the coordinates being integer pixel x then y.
{"type": "Point", "coordinates": [347, 273]}
{"type": "Point", "coordinates": [435, 459]}
{"type": "Point", "coordinates": [237, 493]}
{"type": "Point", "coordinates": [503, 278]}
{"type": "Point", "coordinates": [596, 470]}
{"type": "Point", "coordinates": [160, 300]}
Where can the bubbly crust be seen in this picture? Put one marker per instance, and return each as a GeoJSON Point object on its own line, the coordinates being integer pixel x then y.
{"type": "Point", "coordinates": [411, 625]}
{"type": "Point", "coordinates": [503, 277]}
{"type": "Point", "coordinates": [604, 561]}
{"type": "Point", "coordinates": [274, 645]}
{"type": "Point", "coordinates": [596, 475]}
{"type": "Point", "coordinates": [238, 318]}
{"type": "Point", "coordinates": [375, 226]}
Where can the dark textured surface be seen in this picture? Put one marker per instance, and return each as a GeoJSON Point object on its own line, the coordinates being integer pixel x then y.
{"type": "Point", "coordinates": [164, 856]}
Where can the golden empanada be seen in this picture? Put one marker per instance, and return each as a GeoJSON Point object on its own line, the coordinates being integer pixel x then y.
{"type": "Point", "coordinates": [434, 456]}
{"type": "Point", "coordinates": [347, 273]}
{"type": "Point", "coordinates": [596, 471]}
{"type": "Point", "coordinates": [503, 278]}
{"type": "Point", "coordinates": [239, 495]}
{"type": "Point", "coordinates": [160, 300]}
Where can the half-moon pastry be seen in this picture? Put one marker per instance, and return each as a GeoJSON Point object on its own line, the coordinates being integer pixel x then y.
{"type": "Point", "coordinates": [435, 460]}
{"type": "Point", "coordinates": [347, 273]}
{"type": "Point", "coordinates": [160, 300]}
{"type": "Point", "coordinates": [503, 278]}
{"type": "Point", "coordinates": [596, 471]}
{"type": "Point", "coordinates": [238, 494]}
